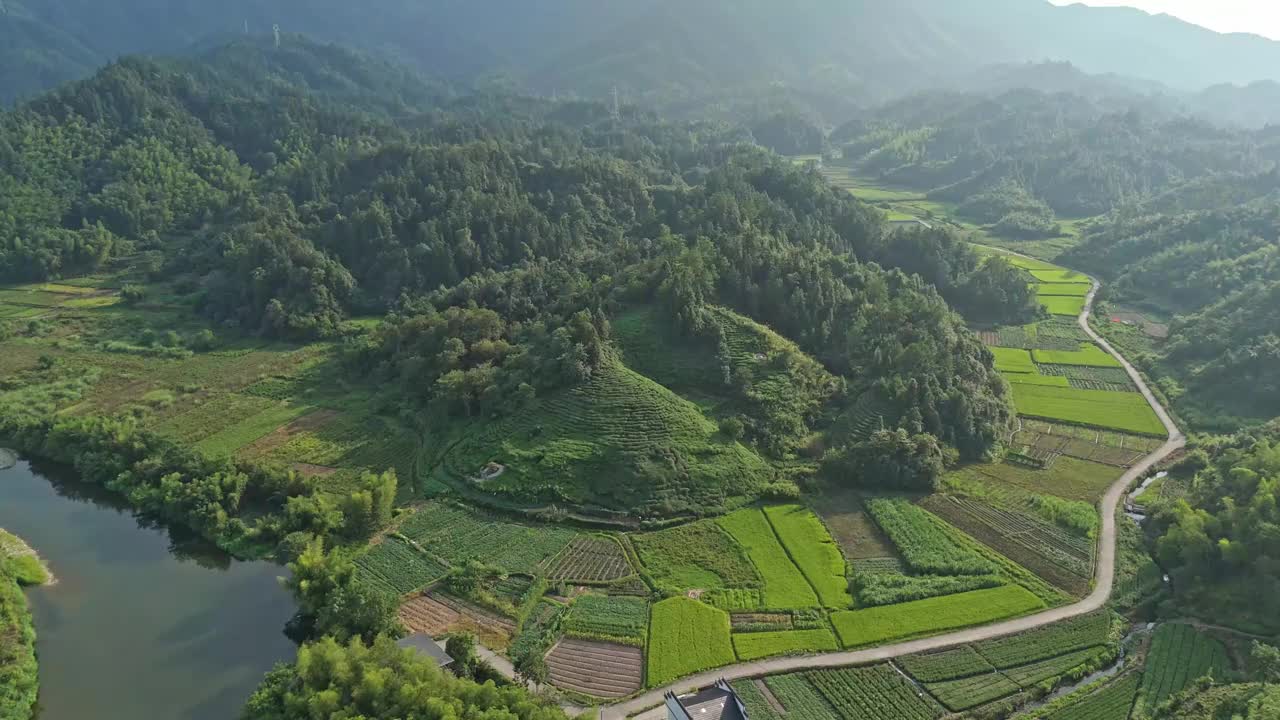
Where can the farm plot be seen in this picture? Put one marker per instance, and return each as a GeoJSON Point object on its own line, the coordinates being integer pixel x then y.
{"type": "Point", "coordinates": [952, 664]}
{"type": "Point", "coordinates": [1179, 655]}
{"type": "Point", "coordinates": [872, 626]}
{"type": "Point", "coordinates": [854, 531]}
{"type": "Point", "coordinates": [698, 556]}
{"type": "Point", "coordinates": [760, 701]}
{"type": "Point", "coordinates": [227, 441]}
{"type": "Point", "coordinates": [1091, 450]}
{"type": "Point", "coordinates": [1050, 641]}
{"type": "Point", "coordinates": [1112, 702]}
{"type": "Point", "coordinates": [1013, 360]}
{"type": "Point", "coordinates": [591, 559]}
{"type": "Point", "coordinates": [784, 585]}
{"type": "Point", "coordinates": [625, 619]}
{"type": "Point", "coordinates": [1030, 379]}
{"type": "Point", "coordinates": [1059, 276]}
{"type": "Point", "coordinates": [598, 669]}
{"type": "Point", "coordinates": [457, 535]}
{"type": "Point", "coordinates": [396, 567]}
{"type": "Point", "coordinates": [756, 645]}
{"type": "Point", "coordinates": [809, 544]}
{"type": "Point", "coordinates": [1080, 289]}
{"type": "Point", "coordinates": [1091, 378]}
{"type": "Point", "coordinates": [923, 544]}
{"type": "Point", "coordinates": [437, 614]}
{"type": "Point", "coordinates": [203, 420]}
{"type": "Point", "coordinates": [686, 637]}
{"type": "Point", "coordinates": [1028, 675]}
{"type": "Point", "coordinates": [1086, 356]}
{"type": "Point", "coordinates": [1123, 411]}
{"type": "Point", "coordinates": [1062, 305]}
{"type": "Point", "coordinates": [876, 692]}
{"type": "Point", "coordinates": [1068, 478]}
{"type": "Point", "coordinates": [800, 698]}
{"type": "Point", "coordinates": [1063, 559]}
{"type": "Point", "coordinates": [970, 692]}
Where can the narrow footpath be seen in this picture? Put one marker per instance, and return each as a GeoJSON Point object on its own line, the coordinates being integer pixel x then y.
{"type": "Point", "coordinates": [1103, 580]}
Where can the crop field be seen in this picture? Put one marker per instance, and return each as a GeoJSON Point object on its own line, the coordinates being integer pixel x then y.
{"type": "Point", "coordinates": [686, 637]}
{"type": "Point", "coordinates": [437, 614]}
{"type": "Point", "coordinates": [1063, 559]}
{"type": "Point", "coordinates": [1058, 276]}
{"type": "Point", "coordinates": [858, 628]}
{"type": "Point", "coordinates": [970, 692]}
{"type": "Point", "coordinates": [1110, 439]}
{"type": "Point", "coordinates": [1112, 702]}
{"type": "Point", "coordinates": [1013, 360]}
{"type": "Point", "coordinates": [1042, 380]}
{"type": "Point", "coordinates": [923, 544]}
{"type": "Point", "coordinates": [697, 556]}
{"type": "Point", "coordinates": [1069, 289]}
{"type": "Point", "coordinates": [952, 664]}
{"type": "Point", "coordinates": [800, 698]}
{"type": "Point", "coordinates": [571, 446]}
{"type": "Point", "coordinates": [606, 617]}
{"type": "Point", "coordinates": [807, 541]}
{"type": "Point", "coordinates": [1028, 675]}
{"type": "Point", "coordinates": [457, 535]}
{"type": "Point", "coordinates": [1124, 411]}
{"type": "Point", "coordinates": [397, 567]}
{"type": "Point", "coordinates": [756, 645]}
{"type": "Point", "coordinates": [760, 706]}
{"type": "Point", "coordinates": [1179, 656]}
{"type": "Point", "coordinates": [857, 535]}
{"type": "Point", "coordinates": [876, 692]}
{"type": "Point", "coordinates": [784, 584]}
{"type": "Point", "coordinates": [1087, 356]}
{"type": "Point", "coordinates": [603, 670]}
{"type": "Point", "coordinates": [1084, 449]}
{"type": "Point", "coordinates": [1052, 334]}
{"type": "Point", "coordinates": [1043, 643]}
{"type": "Point", "coordinates": [1068, 478]}
{"type": "Point", "coordinates": [227, 441]}
{"type": "Point", "coordinates": [203, 420]}
{"type": "Point", "coordinates": [1062, 305]}
{"type": "Point", "coordinates": [591, 559]}
{"type": "Point", "coordinates": [1091, 378]}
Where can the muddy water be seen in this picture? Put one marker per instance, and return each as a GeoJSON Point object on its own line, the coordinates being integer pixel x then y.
{"type": "Point", "coordinates": [143, 623]}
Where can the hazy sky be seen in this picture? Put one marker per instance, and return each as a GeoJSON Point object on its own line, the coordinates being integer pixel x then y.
{"type": "Point", "coordinates": [1256, 16]}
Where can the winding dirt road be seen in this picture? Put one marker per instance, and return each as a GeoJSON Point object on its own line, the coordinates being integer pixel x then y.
{"type": "Point", "coordinates": [1103, 581]}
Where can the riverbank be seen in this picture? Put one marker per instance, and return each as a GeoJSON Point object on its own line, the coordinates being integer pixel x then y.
{"type": "Point", "coordinates": [140, 608]}
{"type": "Point", "coordinates": [19, 682]}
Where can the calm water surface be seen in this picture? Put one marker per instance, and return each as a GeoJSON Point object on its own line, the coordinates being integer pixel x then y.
{"type": "Point", "coordinates": [143, 624]}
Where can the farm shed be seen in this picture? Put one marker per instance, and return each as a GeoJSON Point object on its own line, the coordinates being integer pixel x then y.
{"type": "Point", "coordinates": [426, 645]}
{"type": "Point", "coordinates": [718, 702]}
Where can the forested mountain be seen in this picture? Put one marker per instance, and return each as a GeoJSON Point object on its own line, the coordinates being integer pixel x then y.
{"type": "Point", "coordinates": [1219, 271]}
{"type": "Point", "coordinates": [1078, 157]}
{"type": "Point", "coordinates": [290, 190]}
{"type": "Point", "coordinates": [664, 51]}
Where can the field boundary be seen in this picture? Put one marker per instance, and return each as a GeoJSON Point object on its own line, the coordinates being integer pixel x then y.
{"type": "Point", "coordinates": [1104, 577]}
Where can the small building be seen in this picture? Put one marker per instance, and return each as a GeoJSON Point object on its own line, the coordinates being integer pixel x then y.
{"type": "Point", "coordinates": [718, 702]}
{"type": "Point", "coordinates": [427, 645]}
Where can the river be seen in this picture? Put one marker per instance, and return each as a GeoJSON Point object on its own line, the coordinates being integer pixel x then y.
{"type": "Point", "coordinates": [143, 623]}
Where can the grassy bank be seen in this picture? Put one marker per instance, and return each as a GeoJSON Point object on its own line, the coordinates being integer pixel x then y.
{"type": "Point", "coordinates": [18, 681]}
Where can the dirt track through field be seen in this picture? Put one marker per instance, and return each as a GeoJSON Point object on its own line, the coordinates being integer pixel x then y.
{"type": "Point", "coordinates": [1104, 574]}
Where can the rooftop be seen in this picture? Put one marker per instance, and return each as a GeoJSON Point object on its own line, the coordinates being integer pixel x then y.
{"type": "Point", "coordinates": [426, 645]}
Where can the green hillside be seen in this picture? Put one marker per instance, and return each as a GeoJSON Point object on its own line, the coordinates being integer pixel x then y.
{"type": "Point", "coordinates": [620, 441]}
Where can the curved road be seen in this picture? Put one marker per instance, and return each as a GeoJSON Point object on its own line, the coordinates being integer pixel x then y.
{"type": "Point", "coordinates": [1103, 580]}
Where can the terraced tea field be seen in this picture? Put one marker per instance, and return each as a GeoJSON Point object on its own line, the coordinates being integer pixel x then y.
{"type": "Point", "coordinates": [1179, 655]}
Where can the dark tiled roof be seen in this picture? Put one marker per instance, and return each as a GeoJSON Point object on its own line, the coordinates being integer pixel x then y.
{"type": "Point", "coordinates": [426, 645]}
{"type": "Point", "coordinates": [712, 704]}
